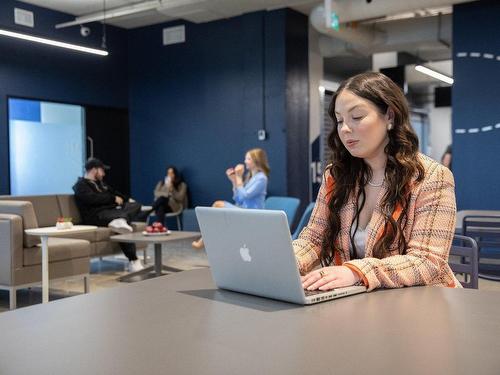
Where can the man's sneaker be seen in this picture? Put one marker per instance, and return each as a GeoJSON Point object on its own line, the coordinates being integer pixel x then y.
{"type": "Point", "coordinates": [135, 265]}
{"type": "Point", "coordinates": [120, 226]}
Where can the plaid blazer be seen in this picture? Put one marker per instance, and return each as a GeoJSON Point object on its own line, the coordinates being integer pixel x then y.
{"type": "Point", "coordinates": [428, 233]}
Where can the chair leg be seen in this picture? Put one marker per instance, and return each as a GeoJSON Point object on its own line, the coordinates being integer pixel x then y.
{"type": "Point", "coordinates": [145, 257]}
{"type": "Point", "coordinates": [179, 227]}
{"type": "Point", "coordinates": [86, 284]}
{"type": "Point", "coordinates": [12, 299]}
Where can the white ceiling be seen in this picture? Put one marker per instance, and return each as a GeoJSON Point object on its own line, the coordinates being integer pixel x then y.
{"type": "Point", "coordinates": [216, 8]}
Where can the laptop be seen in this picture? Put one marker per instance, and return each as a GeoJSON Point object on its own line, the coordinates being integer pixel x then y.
{"type": "Point", "coordinates": [250, 251]}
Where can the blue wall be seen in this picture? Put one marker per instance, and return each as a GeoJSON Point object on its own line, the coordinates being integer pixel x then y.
{"type": "Point", "coordinates": [198, 105]}
{"type": "Point", "coordinates": [52, 74]}
{"type": "Point", "coordinates": [476, 98]}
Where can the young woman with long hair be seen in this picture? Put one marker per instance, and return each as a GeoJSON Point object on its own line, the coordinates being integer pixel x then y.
{"type": "Point", "coordinates": [250, 188]}
{"type": "Point", "coordinates": [385, 214]}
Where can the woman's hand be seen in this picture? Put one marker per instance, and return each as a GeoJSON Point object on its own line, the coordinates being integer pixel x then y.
{"type": "Point", "coordinates": [327, 278]}
{"type": "Point", "coordinates": [239, 169]}
{"type": "Point", "coordinates": [230, 174]}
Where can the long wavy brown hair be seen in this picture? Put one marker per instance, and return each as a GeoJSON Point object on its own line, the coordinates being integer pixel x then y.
{"type": "Point", "coordinates": [403, 167]}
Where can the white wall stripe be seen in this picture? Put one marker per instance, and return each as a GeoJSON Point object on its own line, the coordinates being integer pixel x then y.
{"type": "Point", "coordinates": [460, 131]}
{"type": "Point", "coordinates": [486, 128]}
{"type": "Point", "coordinates": [489, 56]}
{"type": "Point", "coordinates": [497, 126]}
{"type": "Point", "coordinates": [473, 130]}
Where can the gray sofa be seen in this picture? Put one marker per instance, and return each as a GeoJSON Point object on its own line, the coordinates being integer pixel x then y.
{"type": "Point", "coordinates": [20, 254]}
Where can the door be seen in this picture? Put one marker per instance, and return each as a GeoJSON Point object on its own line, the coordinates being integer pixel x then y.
{"type": "Point", "coordinates": [108, 139]}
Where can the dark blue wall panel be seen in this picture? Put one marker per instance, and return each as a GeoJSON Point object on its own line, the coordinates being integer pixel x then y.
{"type": "Point", "coordinates": [198, 105]}
{"type": "Point", "coordinates": [53, 74]}
{"type": "Point", "coordinates": [475, 100]}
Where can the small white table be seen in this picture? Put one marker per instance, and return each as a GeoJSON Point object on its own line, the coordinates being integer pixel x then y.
{"type": "Point", "coordinates": [44, 234]}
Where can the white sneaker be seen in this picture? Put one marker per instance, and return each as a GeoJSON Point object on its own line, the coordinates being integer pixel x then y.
{"type": "Point", "coordinates": [135, 265]}
{"type": "Point", "coordinates": [120, 226]}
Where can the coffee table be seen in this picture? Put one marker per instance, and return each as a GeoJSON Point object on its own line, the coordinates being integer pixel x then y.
{"type": "Point", "coordinates": [157, 240]}
{"type": "Point", "coordinates": [44, 234]}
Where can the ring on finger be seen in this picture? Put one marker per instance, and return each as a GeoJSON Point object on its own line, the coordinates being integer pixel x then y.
{"type": "Point", "coordinates": [322, 273]}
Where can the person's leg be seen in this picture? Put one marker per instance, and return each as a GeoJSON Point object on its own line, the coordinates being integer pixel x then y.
{"type": "Point", "coordinates": [160, 207]}
{"type": "Point", "coordinates": [133, 211]}
{"type": "Point", "coordinates": [129, 250]}
{"type": "Point", "coordinates": [198, 244]}
{"type": "Point", "coordinates": [116, 219]}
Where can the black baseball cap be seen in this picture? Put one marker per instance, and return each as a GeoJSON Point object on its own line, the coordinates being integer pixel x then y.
{"type": "Point", "coordinates": [95, 163]}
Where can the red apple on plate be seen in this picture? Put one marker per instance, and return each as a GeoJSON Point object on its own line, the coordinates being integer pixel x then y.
{"type": "Point", "coordinates": [164, 230]}
{"type": "Point", "coordinates": [149, 229]}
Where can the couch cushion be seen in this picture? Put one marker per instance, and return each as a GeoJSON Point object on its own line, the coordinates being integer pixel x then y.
{"type": "Point", "coordinates": [68, 207]}
{"type": "Point", "coordinates": [106, 248]}
{"type": "Point", "coordinates": [59, 249]}
{"type": "Point", "coordinates": [46, 208]}
{"type": "Point", "coordinates": [103, 234]}
{"type": "Point", "coordinates": [25, 210]}
{"type": "Point", "coordinates": [139, 226]}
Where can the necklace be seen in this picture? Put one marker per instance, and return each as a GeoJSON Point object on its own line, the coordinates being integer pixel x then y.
{"type": "Point", "coordinates": [376, 185]}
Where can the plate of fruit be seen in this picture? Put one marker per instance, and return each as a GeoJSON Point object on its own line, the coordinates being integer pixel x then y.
{"type": "Point", "coordinates": [156, 229]}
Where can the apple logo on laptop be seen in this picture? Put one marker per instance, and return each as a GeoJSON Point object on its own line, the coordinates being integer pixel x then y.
{"type": "Point", "coordinates": [245, 253]}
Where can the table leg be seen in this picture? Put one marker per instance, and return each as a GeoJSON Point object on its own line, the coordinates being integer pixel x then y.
{"type": "Point", "coordinates": [158, 264]}
{"type": "Point", "coordinates": [45, 268]}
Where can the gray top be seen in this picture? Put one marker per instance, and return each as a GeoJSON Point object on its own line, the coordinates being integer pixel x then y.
{"type": "Point", "coordinates": [179, 324]}
{"type": "Point", "coordinates": [139, 237]}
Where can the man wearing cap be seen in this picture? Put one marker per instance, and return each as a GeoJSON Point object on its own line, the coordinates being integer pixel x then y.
{"type": "Point", "coordinates": [101, 205]}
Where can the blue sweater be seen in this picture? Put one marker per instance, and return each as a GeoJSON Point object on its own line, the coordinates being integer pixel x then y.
{"type": "Point", "coordinates": [253, 193]}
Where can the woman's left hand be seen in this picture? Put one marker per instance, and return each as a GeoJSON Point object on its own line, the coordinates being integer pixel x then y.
{"type": "Point", "coordinates": [239, 169]}
{"type": "Point", "coordinates": [327, 278]}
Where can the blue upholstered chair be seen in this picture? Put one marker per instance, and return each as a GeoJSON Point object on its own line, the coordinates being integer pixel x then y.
{"type": "Point", "coordinates": [304, 220]}
{"type": "Point", "coordinates": [287, 204]}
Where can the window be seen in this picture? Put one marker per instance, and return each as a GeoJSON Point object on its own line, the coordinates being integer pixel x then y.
{"type": "Point", "coordinates": [47, 146]}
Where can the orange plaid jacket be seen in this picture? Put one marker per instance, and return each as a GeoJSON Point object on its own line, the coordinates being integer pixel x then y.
{"type": "Point", "coordinates": [429, 232]}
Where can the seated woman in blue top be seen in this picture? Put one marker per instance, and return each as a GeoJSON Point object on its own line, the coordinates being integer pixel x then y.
{"type": "Point", "coordinates": [250, 189]}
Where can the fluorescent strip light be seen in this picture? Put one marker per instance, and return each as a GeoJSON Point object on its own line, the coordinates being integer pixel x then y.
{"type": "Point", "coordinates": [112, 13]}
{"type": "Point", "coordinates": [434, 74]}
{"type": "Point", "coordinates": [55, 43]}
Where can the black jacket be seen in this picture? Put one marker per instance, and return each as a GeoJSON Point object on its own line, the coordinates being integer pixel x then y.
{"type": "Point", "coordinates": [94, 196]}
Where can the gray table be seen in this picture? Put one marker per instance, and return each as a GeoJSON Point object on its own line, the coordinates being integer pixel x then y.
{"type": "Point", "coordinates": [157, 240]}
{"type": "Point", "coordinates": [192, 328]}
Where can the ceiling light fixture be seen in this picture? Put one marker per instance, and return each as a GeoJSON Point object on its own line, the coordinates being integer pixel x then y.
{"type": "Point", "coordinates": [112, 13]}
{"type": "Point", "coordinates": [434, 74]}
{"type": "Point", "coordinates": [51, 42]}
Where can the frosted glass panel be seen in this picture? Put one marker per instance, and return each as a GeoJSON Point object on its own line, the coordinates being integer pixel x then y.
{"type": "Point", "coordinates": [46, 156]}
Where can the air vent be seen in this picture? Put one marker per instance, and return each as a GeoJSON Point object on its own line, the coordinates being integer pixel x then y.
{"type": "Point", "coordinates": [24, 17]}
{"type": "Point", "coordinates": [174, 35]}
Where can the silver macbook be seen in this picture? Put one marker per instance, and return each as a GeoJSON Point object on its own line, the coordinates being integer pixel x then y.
{"type": "Point", "coordinates": [250, 251]}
